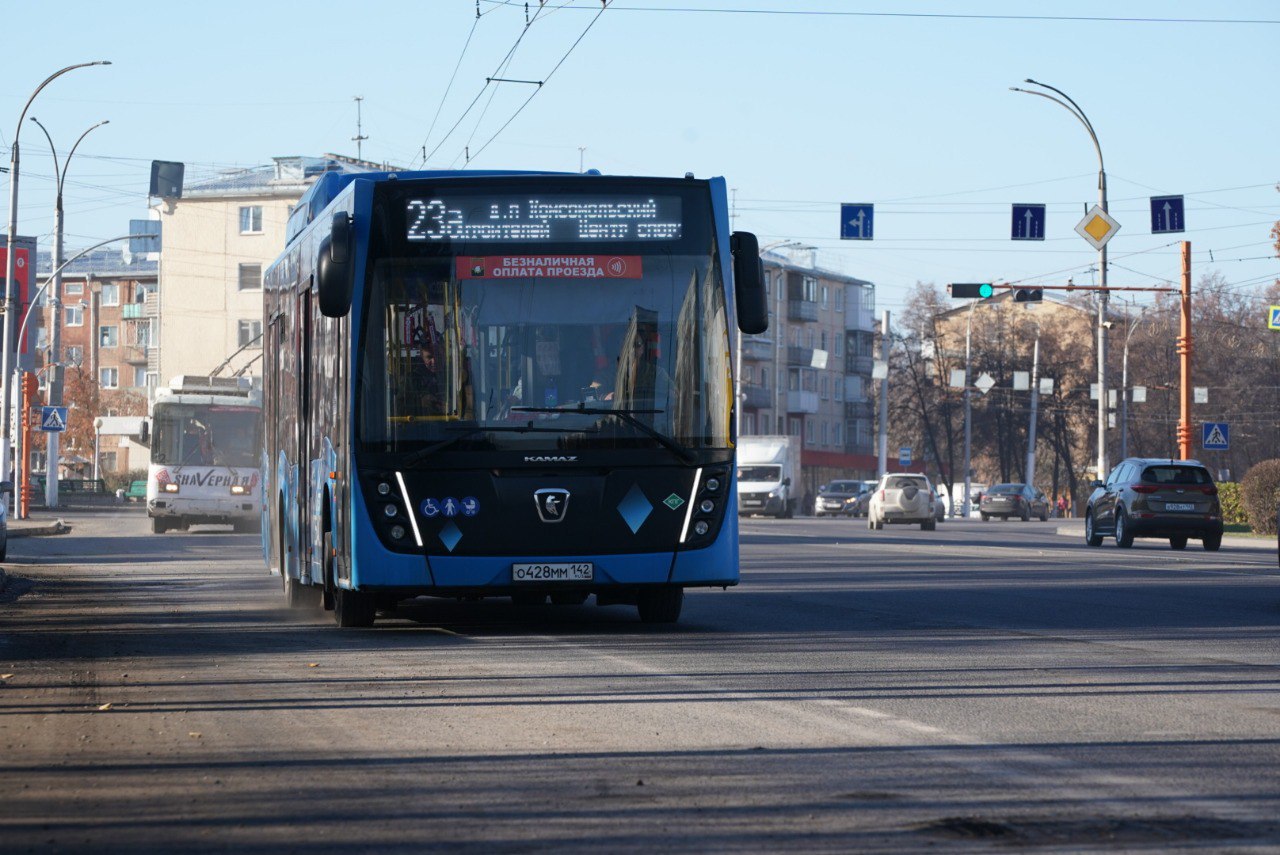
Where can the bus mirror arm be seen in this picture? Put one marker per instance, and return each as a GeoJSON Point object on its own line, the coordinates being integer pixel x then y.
{"type": "Point", "coordinates": [748, 284]}
{"type": "Point", "coordinates": [334, 268]}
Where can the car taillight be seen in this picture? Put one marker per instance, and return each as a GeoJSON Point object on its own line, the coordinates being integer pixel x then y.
{"type": "Point", "coordinates": [1144, 488]}
{"type": "Point", "coordinates": [1210, 490]}
{"type": "Point", "coordinates": [882, 495]}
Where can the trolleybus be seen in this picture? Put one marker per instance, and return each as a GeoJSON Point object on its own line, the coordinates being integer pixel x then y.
{"type": "Point", "coordinates": [206, 450]}
{"type": "Point", "coordinates": [504, 385]}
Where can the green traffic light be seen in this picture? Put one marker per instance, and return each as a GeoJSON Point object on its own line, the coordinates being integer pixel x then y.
{"type": "Point", "coordinates": [985, 290]}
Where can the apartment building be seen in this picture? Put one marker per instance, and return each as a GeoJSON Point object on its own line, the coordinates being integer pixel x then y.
{"type": "Point", "coordinates": [809, 376]}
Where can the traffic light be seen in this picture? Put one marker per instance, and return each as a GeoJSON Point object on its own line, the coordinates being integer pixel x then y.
{"type": "Point", "coordinates": [1028, 295]}
{"type": "Point", "coordinates": [971, 290]}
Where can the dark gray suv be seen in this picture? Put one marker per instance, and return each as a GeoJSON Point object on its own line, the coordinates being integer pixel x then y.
{"type": "Point", "coordinates": [1150, 497]}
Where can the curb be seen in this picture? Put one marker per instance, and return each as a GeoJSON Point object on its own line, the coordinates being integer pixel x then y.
{"type": "Point", "coordinates": [55, 527]}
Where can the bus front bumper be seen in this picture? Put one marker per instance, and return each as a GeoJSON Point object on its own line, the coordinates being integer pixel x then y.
{"type": "Point", "coordinates": [210, 510]}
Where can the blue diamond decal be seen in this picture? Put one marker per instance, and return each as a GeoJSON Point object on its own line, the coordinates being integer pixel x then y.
{"type": "Point", "coordinates": [450, 535]}
{"type": "Point", "coordinates": [635, 508]}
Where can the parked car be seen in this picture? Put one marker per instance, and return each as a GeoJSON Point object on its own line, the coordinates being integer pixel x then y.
{"type": "Point", "coordinates": [1014, 500]}
{"type": "Point", "coordinates": [1155, 497]}
{"type": "Point", "coordinates": [903, 497]}
{"type": "Point", "coordinates": [940, 502]}
{"type": "Point", "coordinates": [838, 498]}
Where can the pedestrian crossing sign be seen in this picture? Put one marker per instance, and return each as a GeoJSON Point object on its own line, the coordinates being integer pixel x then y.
{"type": "Point", "coordinates": [1215, 436]}
{"type": "Point", "coordinates": [1273, 318]}
{"type": "Point", "coordinates": [53, 418]}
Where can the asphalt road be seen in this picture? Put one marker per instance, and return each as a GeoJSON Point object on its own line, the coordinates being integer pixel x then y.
{"type": "Point", "coordinates": [983, 686]}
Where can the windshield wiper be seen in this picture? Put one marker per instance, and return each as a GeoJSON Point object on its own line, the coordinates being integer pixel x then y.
{"type": "Point", "coordinates": [627, 416]}
{"type": "Point", "coordinates": [466, 433]}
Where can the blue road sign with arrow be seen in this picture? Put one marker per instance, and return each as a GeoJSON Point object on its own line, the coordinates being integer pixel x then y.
{"type": "Point", "coordinates": [53, 418]}
{"type": "Point", "coordinates": [1028, 222]}
{"type": "Point", "coordinates": [857, 221]}
{"type": "Point", "coordinates": [1215, 436]}
{"type": "Point", "coordinates": [1167, 215]}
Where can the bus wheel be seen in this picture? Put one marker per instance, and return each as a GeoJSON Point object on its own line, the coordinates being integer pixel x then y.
{"type": "Point", "coordinates": [298, 595]}
{"type": "Point", "coordinates": [159, 526]}
{"type": "Point", "coordinates": [354, 608]}
{"type": "Point", "coordinates": [569, 598]}
{"type": "Point", "coordinates": [660, 605]}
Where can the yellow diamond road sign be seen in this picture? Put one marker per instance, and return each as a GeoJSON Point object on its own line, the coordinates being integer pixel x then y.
{"type": "Point", "coordinates": [1097, 227]}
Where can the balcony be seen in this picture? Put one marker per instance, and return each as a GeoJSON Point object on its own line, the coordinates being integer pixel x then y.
{"type": "Point", "coordinates": [757, 348]}
{"type": "Point", "coordinates": [133, 311]}
{"type": "Point", "coordinates": [756, 397]}
{"type": "Point", "coordinates": [801, 356]}
{"type": "Point", "coordinates": [135, 354]}
{"type": "Point", "coordinates": [859, 365]}
{"type": "Point", "coordinates": [802, 310]}
{"type": "Point", "coordinates": [859, 410]}
{"type": "Point", "coordinates": [860, 319]}
{"type": "Point", "coordinates": [802, 402]}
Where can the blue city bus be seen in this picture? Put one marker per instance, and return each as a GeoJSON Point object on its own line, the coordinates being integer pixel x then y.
{"type": "Point", "coordinates": [499, 384]}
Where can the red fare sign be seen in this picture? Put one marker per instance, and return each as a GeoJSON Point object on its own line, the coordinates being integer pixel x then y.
{"type": "Point", "coordinates": [551, 267]}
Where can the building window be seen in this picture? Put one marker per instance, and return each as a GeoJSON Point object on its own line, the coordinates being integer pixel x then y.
{"type": "Point", "coordinates": [73, 316]}
{"type": "Point", "coordinates": [74, 355]}
{"type": "Point", "coordinates": [251, 220]}
{"type": "Point", "coordinates": [835, 430]}
{"type": "Point", "coordinates": [153, 379]}
{"type": "Point", "coordinates": [107, 461]}
{"type": "Point", "coordinates": [808, 432]}
{"type": "Point", "coordinates": [250, 334]}
{"type": "Point", "coordinates": [839, 387]}
{"type": "Point", "coordinates": [250, 277]}
{"type": "Point", "coordinates": [839, 345]}
{"type": "Point", "coordinates": [839, 298]}
{"type": "Point", "coordinates": [108, 336]}
{"type": "Point", "coordinates": [825, 437]}
{"type": "Point", "coordinates": [139, 377]}
{"type": "Point", "coordinates": [824, 296]}
{"type": "Point", "coordinates": [748, 423]}
{"type": "Point", "coordinates": [823, 388]}
{"type": "Point", "coordinates": [810, 289]}
{"type": "Point", "coordinates": [109, 378]}
{"type": "Point", "coordinates": [824, 339]}
{"type": "Point", "coordinates": [72, 288]}
{"type": "Point", "coordinates": [142, 334]}
{"type": "Point", "coordinates": [795, 427]}
{"type": "Point", "coordinates": [764, 378]}
{"type": "Point", "coordinates": [111, 294]}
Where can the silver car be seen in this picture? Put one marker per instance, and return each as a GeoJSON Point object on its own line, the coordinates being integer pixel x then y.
{"type": "Point", "coordinates": [903, 497]}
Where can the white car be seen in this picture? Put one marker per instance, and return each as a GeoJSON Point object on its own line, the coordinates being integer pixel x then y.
{"type": "Point", "coordinates": [903, 497]}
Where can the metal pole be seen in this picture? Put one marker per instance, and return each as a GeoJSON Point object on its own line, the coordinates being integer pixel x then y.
{"type": "Point", "coordinates": [1185, 348]}
{"type": "Point", "coordinates": [1124, 398]}
{"type": "Point", "coordinates": [8, 344]}
{"type": "Point", "coordinates": [1035, 403]}
{"type": "Point", "coordinates": [883, 461]}
{"type": "Point", "coordinates": [968, 422]}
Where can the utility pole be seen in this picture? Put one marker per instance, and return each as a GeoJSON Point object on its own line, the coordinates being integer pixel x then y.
{"type": "Point", "coordinates": [1035, 404]}
{"type": "Point", "coordinates": [883, 462]}
{"type": "Point", "coordinates": [1185, 349]}
{"type": "Point", "coordinates": [359, 137]}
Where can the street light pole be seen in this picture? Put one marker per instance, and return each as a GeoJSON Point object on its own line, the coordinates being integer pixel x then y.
{"type": "Point", "coordinates": [55, 311]}
{"type": "Point", "coordinates": [1074, 109]}
{"type": "Point", "coordinates": [1124, 386]}
{"type": "Point", "coordinates": [8, 344]}
{"type": "Point", "coordinates": [968, 428]}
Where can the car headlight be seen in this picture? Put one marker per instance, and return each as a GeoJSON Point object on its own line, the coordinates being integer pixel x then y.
{"type": "Point", "coordinates": [773, 494]}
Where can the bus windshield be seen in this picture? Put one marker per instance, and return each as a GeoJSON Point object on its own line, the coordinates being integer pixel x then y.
{"type": "Point", "coordinates": [206, 435]}
{"type": "Point", "coordinates": [497, 346]}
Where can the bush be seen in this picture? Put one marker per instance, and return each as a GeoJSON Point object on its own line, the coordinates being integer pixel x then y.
{"type": "Point", "coordinates": [1232, 506]}
{"type": "Point", "coordinates": [115, 480]}
{"type": "Point", "coordinates": [1259, 494]}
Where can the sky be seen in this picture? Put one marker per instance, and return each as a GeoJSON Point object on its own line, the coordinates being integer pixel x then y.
{"type": "Point", "coordinates": [800, 104]}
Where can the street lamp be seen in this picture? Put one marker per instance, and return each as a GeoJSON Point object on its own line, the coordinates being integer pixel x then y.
{"type": "Point", "coordinates": [55, 306]}
{"type": "Point", "coordinates": [1134, 323]}
{"type": "Point", "coordinates": [8, 343]}
{"type": "Point", "coordinates": [1074, 109]}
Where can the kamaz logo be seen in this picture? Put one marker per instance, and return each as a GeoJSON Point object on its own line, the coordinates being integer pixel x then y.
{"type": "Point", "coordinates": [550, 459]}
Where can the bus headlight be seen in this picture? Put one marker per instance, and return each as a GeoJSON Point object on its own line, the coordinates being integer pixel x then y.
{"type": "Point", "coordinates": [170, 487]}
{"type": "Point", "coordinates": [239, 490]}
{"type": "Point", "coordinates": [397, 532]}
{"type": "Point", "coordinates": [390, 510]}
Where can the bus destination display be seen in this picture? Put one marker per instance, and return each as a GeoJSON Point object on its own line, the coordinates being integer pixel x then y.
{"type": "Point", "coordinates": [535, 218]}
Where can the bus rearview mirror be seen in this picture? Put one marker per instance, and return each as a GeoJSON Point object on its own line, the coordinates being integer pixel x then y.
{"type": "Point", "coordinates": [334, 268]}
{"type": "Point", "coordinates": [748, 284]}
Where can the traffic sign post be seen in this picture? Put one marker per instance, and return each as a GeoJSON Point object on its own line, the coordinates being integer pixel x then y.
{"type": "Point", "coordinates": [1167, 215]}
{"type": "Point", "coordinates": [1215, 436]}
{"type": "Point", "coordinates": [857, 221]}
{"type": "Point", "coordinates": [904, 455]}
{"type": "Point", "coordinates": [1028, 222]}
{"type": "Point", "coordinates": [1097, 227]}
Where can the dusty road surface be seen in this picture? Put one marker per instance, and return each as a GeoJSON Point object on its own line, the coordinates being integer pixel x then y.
{"type": "Point", "coordinates": [997, 686]}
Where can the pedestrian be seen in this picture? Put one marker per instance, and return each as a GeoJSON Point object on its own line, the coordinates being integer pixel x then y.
{"type": "Point", "coordinates": [1062, 506]}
